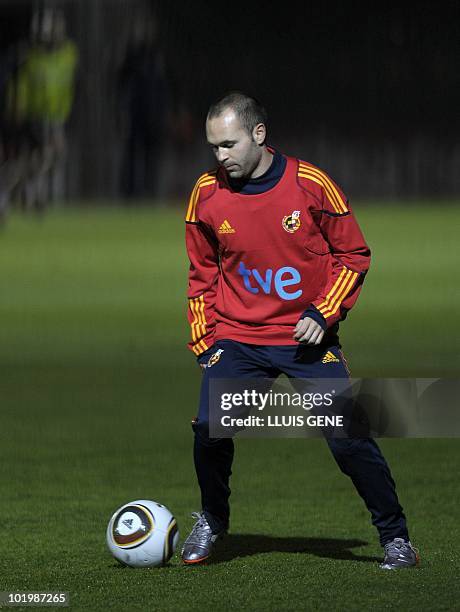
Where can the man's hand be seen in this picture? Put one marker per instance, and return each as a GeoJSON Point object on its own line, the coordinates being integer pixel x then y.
{"type": "Point", "coordinates": [308, 331]}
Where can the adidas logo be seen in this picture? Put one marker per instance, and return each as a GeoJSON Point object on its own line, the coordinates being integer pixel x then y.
{"type": "Point", "coordinates": [226, 228]}
{"type": "Point", "coordinates": [330, 358]}
{"type": "Point", "coordinates": [128, 523]}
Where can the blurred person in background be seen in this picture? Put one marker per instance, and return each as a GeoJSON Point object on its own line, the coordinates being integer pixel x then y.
{"type": "Point", "coordinates": [185, 149]}
{"type": "Point", "coordinates": [44, 94]}
{"type": "Point", "coordinates": [9, 174]}
{"type": "Point", "coordinates": [142, 108]}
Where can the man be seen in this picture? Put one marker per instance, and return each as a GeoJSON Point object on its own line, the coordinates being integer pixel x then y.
{"type": "Point", "coordinates": [276, 261]}
{"type": "Point", "coordinates": [44, 85]}
{"type": "Point", "coordinates": [142, 102]}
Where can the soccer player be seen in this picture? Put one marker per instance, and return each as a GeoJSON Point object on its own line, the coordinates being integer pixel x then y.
{"type": "Point", "coordinates": [277, 259]}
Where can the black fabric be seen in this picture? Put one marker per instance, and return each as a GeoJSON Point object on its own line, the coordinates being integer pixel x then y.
{"type": "Point", "coordinates": [264, 182]}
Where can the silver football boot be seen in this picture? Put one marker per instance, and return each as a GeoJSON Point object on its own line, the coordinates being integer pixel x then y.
{"type": "Point", "coordinates": [198, 546]}
{"type": "Point", "coordinates": [399, 554]}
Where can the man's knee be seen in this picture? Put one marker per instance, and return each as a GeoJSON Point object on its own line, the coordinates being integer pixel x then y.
{"type": "Point", "coordinates": [342, 448]}
{"type": "Point", "coordinates": [342, 445]}
{"type": "Point", "coordinates": [365, 449]}
{"type": "Point", "coordinates": [201, 430]}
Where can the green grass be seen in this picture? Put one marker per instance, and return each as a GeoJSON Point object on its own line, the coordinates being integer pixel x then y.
{"type": "Point", "coordinates": [97, 391]}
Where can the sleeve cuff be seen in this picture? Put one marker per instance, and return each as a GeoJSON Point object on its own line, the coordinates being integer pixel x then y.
{"type": "Point", "coordinates": [315, 314]}
{"type": "Point", "coordinates": [203, 357]}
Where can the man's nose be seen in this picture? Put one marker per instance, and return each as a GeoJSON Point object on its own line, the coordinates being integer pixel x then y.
{"type": "Point", "coordinates": [221, 155]}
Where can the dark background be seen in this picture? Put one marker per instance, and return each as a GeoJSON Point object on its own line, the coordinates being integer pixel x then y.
{"type": "Point", "coordinates": [370, 94]}
{"type": "Point", "coordinates": [97, 389]}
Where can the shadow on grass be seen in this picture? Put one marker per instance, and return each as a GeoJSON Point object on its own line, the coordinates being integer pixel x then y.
{"type": "Point", "coordinates": [245, 545]}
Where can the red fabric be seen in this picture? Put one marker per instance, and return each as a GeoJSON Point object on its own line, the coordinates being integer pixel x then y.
{"type": "Point", "coordinates": [250, 278]}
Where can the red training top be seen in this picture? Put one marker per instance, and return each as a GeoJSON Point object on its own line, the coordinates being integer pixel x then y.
{"type": "Point", "coordinates": [258, 262]}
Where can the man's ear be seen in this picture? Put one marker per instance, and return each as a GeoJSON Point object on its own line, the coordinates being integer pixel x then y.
{"type": "Point", "coordinates": [259, 133]}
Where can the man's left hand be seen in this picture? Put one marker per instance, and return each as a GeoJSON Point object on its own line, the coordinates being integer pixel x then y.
{"type": "Point", "coordinates": [308, 331]}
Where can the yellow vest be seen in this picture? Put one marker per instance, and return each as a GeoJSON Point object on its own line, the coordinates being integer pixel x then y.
{"type": "Point", "coordinates": [45, 83]}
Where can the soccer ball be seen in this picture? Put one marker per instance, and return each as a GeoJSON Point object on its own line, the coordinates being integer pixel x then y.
{"type": "Point", "coordinates": [142, 533]}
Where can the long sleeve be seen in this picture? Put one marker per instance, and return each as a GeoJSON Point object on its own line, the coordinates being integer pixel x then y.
{"type": "Point", "coordinates": [350, 255]}
{"type": "Point", "coordinates": [202, 285]}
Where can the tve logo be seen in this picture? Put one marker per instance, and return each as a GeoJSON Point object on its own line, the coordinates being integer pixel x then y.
{"type": "Point", "coordinates": [284, 277]}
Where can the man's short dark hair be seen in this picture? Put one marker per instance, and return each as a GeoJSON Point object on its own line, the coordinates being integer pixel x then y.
{"type": "Point", "coordinates": [249, 110]}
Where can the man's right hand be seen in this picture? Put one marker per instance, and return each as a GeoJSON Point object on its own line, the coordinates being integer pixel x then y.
{"type": "Point", "coordinates": [308, 331]}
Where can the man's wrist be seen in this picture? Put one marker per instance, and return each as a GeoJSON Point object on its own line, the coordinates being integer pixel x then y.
{"type": "Point", "coordinates": [205, 355]}
{"type": "Point", "coordinates": [313, 313]}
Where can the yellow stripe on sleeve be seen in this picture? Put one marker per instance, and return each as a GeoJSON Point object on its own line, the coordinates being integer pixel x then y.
{"type": "Point", "coordinates": [200, 347]}
{"type": "Point", "coordinates": [336, 294]}
{"type": "Point", "coordinates": [336, 199]}
{"type": "Point", "coordinates": [203, 316]}
{"type": "Point", "coordinates": [321, 183]}
{"type": "Point", "coordinates": [195, 319]}
{"type": "Point", "coordinates": [328, 181]}
{"type": "Point", "coordinates": [198, 324]}
{"type": "Point", "coordinates": [325, 186]}
{"type": "Point", "coordinates": [190, 216]}
{"type": "Point", "coordinates": [337, 283]}
{"type": "Point", "coordinates": [203, 346]}
{"type": "Point", "coordinates": [343, 294]}
{"type": "Point", "coordinates": [203, 181]}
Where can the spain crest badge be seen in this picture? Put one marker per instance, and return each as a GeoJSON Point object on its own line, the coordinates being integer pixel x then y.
{"type": "Point", "coordinates": [291, 223]}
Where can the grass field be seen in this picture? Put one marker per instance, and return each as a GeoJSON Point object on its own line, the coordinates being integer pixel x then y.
{"type": "Point", "coordinates": [97, 391]}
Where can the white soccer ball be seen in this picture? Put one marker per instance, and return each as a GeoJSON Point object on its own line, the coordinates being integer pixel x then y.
{"type": "Point", "coordinates": [142, 533]}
